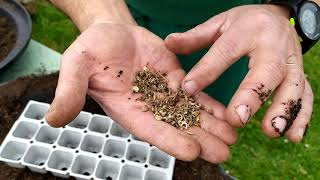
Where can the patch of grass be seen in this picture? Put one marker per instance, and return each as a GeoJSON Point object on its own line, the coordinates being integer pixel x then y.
{"type": "Point", "coordinates": [254, 156]}
{"type": "Point", "coordinates": [51, 27]}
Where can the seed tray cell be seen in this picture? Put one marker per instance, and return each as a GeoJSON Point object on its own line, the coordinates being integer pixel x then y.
{"type": "Point", "coordinates": [47, 135]}
{"type": "Point", "coordinates": [100, 124]}
{"type": "Point", "coordinates": [90, 147]}
{"type": "Point", "coordinates": [70, 139]}
{"type": "Point", "coordinates": [114, 148]}
{"type": "Point", "coordinates": [26, 130]}
{"type": "Point", "coordinates": [36, 111]}
{"type": "Point", "coordinates": [81, 121]}
{"type": "Point", "coordinates": [137, 153]}
{"type": "Point", "coordinates": [92, 144]}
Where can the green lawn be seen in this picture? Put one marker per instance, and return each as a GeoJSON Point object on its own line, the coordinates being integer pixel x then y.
{"type": "Point", "coordinates": [254, 156]}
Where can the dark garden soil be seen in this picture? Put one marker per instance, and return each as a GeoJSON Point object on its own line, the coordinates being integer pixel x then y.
{"type": "Point", "coordinates": [8, 37]}
{"type": "Point", "coordinates": [15, 95]}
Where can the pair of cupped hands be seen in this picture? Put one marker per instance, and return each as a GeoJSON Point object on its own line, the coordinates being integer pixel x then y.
{"type": "Point", "coordinates": [92, 65]}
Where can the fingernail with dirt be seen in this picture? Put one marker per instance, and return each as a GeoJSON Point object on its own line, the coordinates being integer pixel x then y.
{"type": "Point", "coordinates": [279, 124]}
{"type": "Point", "coordinates": [244, 113]}
{"type": "Point", "coordinates": [190, 87]}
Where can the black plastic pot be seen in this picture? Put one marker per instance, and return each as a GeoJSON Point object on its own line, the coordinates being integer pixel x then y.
{"type": "Point", "coordinates": [22, 21]}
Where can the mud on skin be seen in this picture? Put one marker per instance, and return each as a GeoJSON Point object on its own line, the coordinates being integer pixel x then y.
{"type": "Point", "coordinates": [120, 73]}
{"type": "Point", "coordinates": [262, 93]}
{"type": "Point", "coordinates": [292, 109]}
{"type": "Point", "coordinates": [105, 68]}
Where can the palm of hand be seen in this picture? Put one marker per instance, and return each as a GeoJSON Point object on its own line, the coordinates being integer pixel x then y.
{"type": "Point", "coordinates": [103, 62]}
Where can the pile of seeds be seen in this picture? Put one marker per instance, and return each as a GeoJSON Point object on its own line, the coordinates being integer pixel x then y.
{"type": "Point", "coordinates": [174, 107]}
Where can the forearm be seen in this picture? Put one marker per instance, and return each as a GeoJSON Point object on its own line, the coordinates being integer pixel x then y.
{"type": "Point", "coordinates": [84, 12]}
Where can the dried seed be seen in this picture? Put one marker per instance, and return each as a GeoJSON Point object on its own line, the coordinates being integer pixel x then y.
{"type": "Point", "coordinates": [174, 107]}
{"type": "Point", "coordinates": [162, 113]}
{"type": "Point", "coordinates": [135, 89]}
{"type": "Point", "coordinates": [198, 119]}
{"type": "Point", "coordinates": [158, 118]}
{"type": "Point", "coordinates": [179, 117]}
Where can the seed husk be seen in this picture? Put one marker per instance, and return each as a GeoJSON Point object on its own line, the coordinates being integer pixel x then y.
{"type": "Point", "coordinates": [135, 89]}
{"type": "Point", "coordinates": [173, 107]}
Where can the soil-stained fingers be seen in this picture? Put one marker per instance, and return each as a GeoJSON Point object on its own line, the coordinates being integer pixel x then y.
{"type": "Point", "coordinates": [300, 126]}
{"type": "Point", "coordinates": [254, 90]}
{"type": "Point", "coordinates": [289, 115]}
{"type": "Point", "coordinates": [286, 103]}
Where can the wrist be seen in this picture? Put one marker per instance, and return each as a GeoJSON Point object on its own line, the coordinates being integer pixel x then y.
{"type": "Point", "coordinates": [282, 10]}
{"type": "Point", "coordinates": [111, 11]}
{"type": "Point", "coordinates": [105, 18]}
{"type": "Point", "coordinates": [304, 16]}
{"type": "Point", "coordinates": [84, 13]}
{"type": "Point", "coordinates": [279, 10]}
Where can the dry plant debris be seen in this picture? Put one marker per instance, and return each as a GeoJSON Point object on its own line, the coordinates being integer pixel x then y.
{"type": "Point", "coordinates": [173, 107]}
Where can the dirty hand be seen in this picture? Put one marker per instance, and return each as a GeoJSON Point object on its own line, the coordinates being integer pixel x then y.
{"type": "Point", "coordinates": [264, 34]}
{"type": "Point", "coordinates": [102, 63]}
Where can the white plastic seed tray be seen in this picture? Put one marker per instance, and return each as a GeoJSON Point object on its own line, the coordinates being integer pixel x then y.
{"type": "Point", "coordinates": [90, 147]}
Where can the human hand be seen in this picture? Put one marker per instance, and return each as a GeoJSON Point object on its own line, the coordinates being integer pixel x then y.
{"type": "Point", "coordinates": [103, 61]}
{"type": "Point", "coordinates": [264, 34]}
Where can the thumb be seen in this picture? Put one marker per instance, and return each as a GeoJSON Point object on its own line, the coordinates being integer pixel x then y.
{"type": "Point", "coordinates": [72, 87]}
{"type": "Point", "coordinates": [201, 36]}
